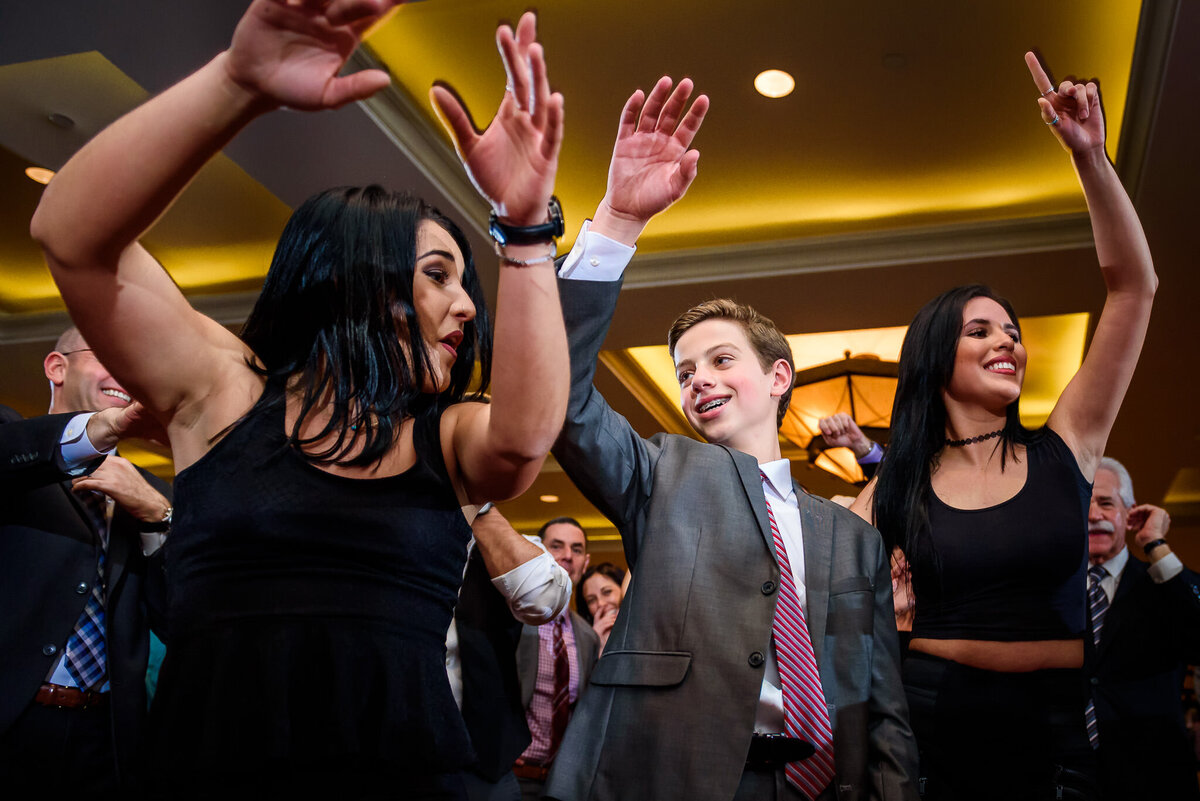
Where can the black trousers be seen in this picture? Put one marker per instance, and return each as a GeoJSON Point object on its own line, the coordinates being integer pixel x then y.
{"type": "Point", "coordinates": [51, 750]}
{"type": "Point", "coordinates": [986, 735]}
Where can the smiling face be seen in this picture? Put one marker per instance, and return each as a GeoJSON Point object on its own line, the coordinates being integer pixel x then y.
{"type": "Point", "coordinates": [989, 363]}
{"type": "Point", "coordinates": [725, 393]}
{"type": "Point", "coordinates": [1108, 518]}
{"type": "Point", "coordinates": [78, 381]}
{"type": "Point", "coordinates": [600, 592]}
{"type": "Point", "coordinates": [442, 303]}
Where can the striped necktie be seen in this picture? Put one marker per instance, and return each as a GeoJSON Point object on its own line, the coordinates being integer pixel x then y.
{"type": "Point", "coordinates": [1098, 604]}
{"type": "Point", "coordinates": [560, 713]}
{"type": "Point", "coordinates": [86, 654]}
{"type": "Point", "coordinates": [805, 714]}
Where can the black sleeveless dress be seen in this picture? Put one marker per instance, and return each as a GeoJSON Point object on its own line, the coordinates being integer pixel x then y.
{"type": "Point", "coordinates": [308, 618]}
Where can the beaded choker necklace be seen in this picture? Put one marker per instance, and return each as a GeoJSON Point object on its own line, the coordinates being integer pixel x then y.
{"type": "Point", "coordinates": [958, 443]}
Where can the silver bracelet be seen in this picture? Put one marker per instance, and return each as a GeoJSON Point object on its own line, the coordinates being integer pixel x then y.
{"type": "Point", "coordinates": [505, 258]}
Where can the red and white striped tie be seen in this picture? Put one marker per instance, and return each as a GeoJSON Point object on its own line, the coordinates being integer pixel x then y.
{"type": "Point", "coordinates": [805, 714]}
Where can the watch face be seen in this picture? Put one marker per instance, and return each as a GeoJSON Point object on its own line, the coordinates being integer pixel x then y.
{"type": "Point", "coordinates": [531, 234]}
{"type": "Point", "coordinates": [496, 230]}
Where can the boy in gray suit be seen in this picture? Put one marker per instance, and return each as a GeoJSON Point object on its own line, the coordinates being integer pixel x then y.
{"type": "Point", "coordinates": [759, 625]}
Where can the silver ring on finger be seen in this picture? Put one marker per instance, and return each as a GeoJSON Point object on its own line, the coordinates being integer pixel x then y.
{"type": "Point", "coordinates": [1053, 121]}
{"type": "Point", "coordinates": [1050, 91]}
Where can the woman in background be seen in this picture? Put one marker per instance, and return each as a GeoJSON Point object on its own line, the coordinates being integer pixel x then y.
{"type": "Point", "coordinates": [598, 597]}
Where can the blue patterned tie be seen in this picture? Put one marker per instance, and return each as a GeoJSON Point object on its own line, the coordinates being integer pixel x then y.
{"type": "Point", "coordinates": [1098, 603]}
{"type": "Point", "coordinates": [86, 652]}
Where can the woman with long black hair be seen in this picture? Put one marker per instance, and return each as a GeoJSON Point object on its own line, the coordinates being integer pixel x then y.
{"type": "Point", "coordinates": [992, 517]}
{"type": "Point", "coordinates": [323, 457]}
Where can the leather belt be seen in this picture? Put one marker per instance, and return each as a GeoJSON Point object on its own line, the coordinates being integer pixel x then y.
{"type": "Point", "coordinates": [770, 751]}
{"type": "Point", "coordinates": [69, 697]}
{"type": "Point", "coordinates": [527, 770]}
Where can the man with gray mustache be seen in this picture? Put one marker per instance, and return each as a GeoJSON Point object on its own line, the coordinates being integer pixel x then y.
{"type": "Point", "coordinates": [1145, 622]}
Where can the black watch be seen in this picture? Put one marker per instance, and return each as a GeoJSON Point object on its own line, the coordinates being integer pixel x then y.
{"type": "Point", "coordinates": [529, 234]}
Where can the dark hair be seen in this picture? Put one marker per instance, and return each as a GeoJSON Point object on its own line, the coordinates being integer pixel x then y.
{"type": "Point", "coordinates": [918, 430]}
{"type": "Point", "coordinates": [768, 342]}
{"type": "Point", "coordinates": [334, 307]}
{"type": "Point", "coordinates": [556, 521]}
{"type": "Point", "coordinates": [606, 569]}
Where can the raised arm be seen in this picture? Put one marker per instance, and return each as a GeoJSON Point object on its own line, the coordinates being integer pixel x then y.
{"type": "Point", "coordinates": [1085, 412]}
{"type": "Point", "coordinates": [498, 448]}
{"type": "Point", "coordinates": [109, 193]}
{"type": "Point", "coordinates": [653, 162]}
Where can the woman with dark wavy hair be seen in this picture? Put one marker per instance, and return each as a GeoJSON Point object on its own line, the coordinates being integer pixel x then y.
{"type": "Point", "coordinates": [324, 457]}
{"type": "Point", "coordinates": [992, 516]}
{"type": "Point", "coordinates": [598, 597]}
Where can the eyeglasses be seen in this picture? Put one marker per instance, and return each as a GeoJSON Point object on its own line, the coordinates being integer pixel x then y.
{"type": "Point", "coordinates": [77, 350]}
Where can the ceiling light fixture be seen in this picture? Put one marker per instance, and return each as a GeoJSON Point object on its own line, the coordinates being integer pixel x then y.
{"type": "Point", "coordinates": [774, 83]}
{"type": "Point", "coordinates": [39, 174]}
{"type": "Point", "coordinates": [861, 386]}
{"type": "Point", "coordinates": [548, 498]}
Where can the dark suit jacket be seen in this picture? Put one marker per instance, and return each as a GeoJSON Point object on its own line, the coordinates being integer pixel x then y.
{"type": "Point", "coordinates": [487, 649]}
{"type": "Point", "coordinates": [48, 553]}
{"type": "Point", "coordinates": [672, 702]}
{"type": "Point", "coordinates": [1151, 633]}
{"type": "Point", "coordinates": [587, 648]}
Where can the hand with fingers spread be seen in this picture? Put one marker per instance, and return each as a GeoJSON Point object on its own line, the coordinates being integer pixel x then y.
{"type": "Point", "coordinates": [514, 161]}
{"type": "Point", "coordinates": [652, 163]}
{"type": "Point", "coordinates": [1072, 110]}
{"type": "Point", "coordinates": [290, 54]}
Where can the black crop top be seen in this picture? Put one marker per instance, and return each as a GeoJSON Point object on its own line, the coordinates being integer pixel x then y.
{"type": "Point", "coordinates": [1014, 571]}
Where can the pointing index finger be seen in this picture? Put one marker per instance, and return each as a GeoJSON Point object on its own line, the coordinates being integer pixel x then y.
{"type": "Point", "coordinates": [1040, 79]}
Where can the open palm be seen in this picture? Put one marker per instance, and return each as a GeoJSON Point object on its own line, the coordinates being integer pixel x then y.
{"type": "Point", "coordinates": [514, 161]}
{"type": "Point", "coordinates": [652, 165]}
{"type": "Point", "coordinates": [291, 54]}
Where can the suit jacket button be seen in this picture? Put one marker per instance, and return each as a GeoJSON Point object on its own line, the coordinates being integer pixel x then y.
{"type": "Point", "coordinates": [1094, 681]}
{"type": "Point", "coordinates": [50, 650]}
{"type": "Point", "coordinates": [756, 659]}
{"type": "Point", "coordinates": [768, 587]}
{"type": "Point", "coordinates": [81, 588]}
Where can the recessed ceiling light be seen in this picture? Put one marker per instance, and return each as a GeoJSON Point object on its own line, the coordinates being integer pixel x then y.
{"type": "Point", "coordinates": [39, 174]}
{"type": "Point", "coordinates": [548, 498]}
{"type": "Point", "coordinates": [774, 83]}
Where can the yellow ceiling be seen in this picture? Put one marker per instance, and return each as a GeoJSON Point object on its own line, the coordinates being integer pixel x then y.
{"type": "Point", "coordinates": [218, 237]}
{"type": "Point", "coordinates": [919, 137]}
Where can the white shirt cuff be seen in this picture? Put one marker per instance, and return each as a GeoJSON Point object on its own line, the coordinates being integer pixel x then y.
{"type": "Point", "coordinates": [537, 590]}
{"type": "Point", "coordinates": [595, 257]}
{"type": "Point", "coordinates": [152, 541]}
{"type": "Point", "coordinates": [1166, 569]}
{"type": "Point", "coordinates": [75, 447]}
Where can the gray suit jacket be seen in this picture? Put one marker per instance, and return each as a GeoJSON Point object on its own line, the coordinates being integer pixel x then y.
{"type": "Point", "coordinates": [587, 646]}
{"type": "Point", "coordinates": [673, 699]}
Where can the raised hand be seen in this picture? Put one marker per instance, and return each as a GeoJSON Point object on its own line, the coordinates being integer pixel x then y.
{"type": "Point", "coordinates": [290, 53]}
{"type": "Point", "coordinates": [652, 163]}
{"type": "Point", "coordinates": [1072, 111]}
{"type": "Point", "coordinates": [1149, 522]}
{"type": "Point", "coordinates": [840, 431]}
{"type": "Point", "coordinates": [514, 161]}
